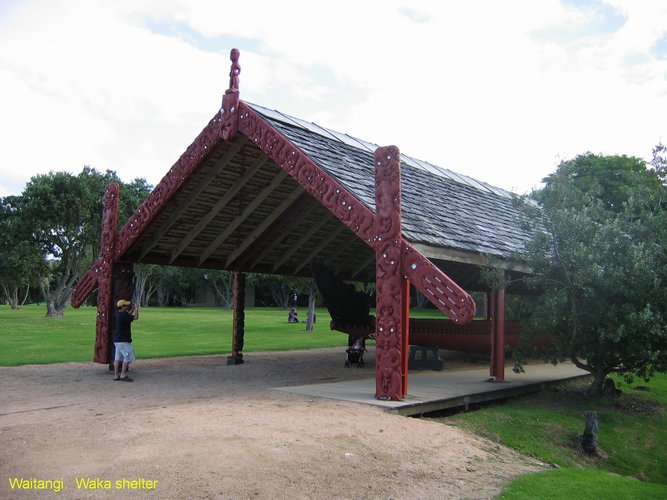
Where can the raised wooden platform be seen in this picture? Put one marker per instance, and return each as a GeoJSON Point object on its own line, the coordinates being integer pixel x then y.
{"type": "Point", "coordinates": [430, 391]}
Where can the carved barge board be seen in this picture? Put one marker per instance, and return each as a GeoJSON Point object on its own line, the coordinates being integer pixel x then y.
{"type": "Point", "coordinates": [445, 294]}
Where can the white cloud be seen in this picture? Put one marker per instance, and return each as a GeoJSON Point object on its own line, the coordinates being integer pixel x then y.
{"type": "Point", "coordinates": [475, 86]}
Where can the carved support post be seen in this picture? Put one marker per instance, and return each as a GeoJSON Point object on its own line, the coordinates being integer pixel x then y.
{"type": "Point", "coordinates": [238, 328]}
{"type": "Point", "coordinates": [389, 288]}
{"type": "Point", "coordinates": [498, 336]}
{"type": "Point", "coordinates": [405, 328]}
{"type": "Point", "coordinates": [105, 271]}
{"type": "Point", "coordinates": [123, 288]}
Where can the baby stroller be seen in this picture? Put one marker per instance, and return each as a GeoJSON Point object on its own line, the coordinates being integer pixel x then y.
{"type": "Point", "coordinates": [355, 352]}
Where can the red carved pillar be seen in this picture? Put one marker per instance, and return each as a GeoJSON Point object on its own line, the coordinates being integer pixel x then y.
{"type": "Point", "coordinates": [238, 328]}
{"type": "Point", "coordinates": [498, 335]}
{"type": "Point", "coordinates": [105, 271]}
{"type": "Point", "coordinates": [123, 288]}
{"type": "Point", "coordinates": [405, 338]}
{"type": "Point", "coordinates": [389, 286]}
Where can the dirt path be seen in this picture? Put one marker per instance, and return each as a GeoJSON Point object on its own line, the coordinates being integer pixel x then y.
{"type": "Point", "coordinates": [197, 428]}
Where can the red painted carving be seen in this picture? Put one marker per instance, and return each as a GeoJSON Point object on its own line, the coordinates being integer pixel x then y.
{"type": "Point", "coordinates": [389, 292]}
{"type": "Point", "coordinates": [445, 294]}
{"type": "Point", "coordinates": [306, 172]}
{"type": "Point", "coordinates": [235, 71]}
{"type": "Point", "coordinates": [239, 314]}
{"type": "Point", "coordinates": [104, 263]}
{"type": "Point", "coordinates": [439, 288]}
{"type": "Point", "coordinates": [230, 101]}
{"type": "Point", "coordinates": [159, 197]}
{"type": "Point", "coordinates": [105, 273]}
{"type": "Point", "coordinates": [86, 284]}
{"type": "Point", "coordinates": [188, 162]}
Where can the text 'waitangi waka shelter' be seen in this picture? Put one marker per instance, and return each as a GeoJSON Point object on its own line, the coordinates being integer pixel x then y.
{"type": "Point", "coordinates": [260, 191]}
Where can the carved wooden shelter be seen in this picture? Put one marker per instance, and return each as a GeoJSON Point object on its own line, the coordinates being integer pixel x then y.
{"type": "Point", "coordinates": [260, 191]}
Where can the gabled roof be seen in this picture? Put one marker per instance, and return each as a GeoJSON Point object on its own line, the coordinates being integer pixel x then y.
{"type": "Point", "coordinates": [261, 191]}
{"type": "Point", "coordinates": [441, 208]}
{"type": "Point", "coordinates": [228, 205]}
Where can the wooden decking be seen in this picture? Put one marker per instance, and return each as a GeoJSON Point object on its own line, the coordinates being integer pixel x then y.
{"type": "Point", "coordinates": [430, 391]}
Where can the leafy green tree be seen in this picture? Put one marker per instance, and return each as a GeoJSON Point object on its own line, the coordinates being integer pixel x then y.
{"type": "Point", "coordinates": [282, 288]}
{"type": "Point", "coordinates": [20, 262]}
{"type": "Point", "coordinates": [64, 215]}
{"type": "Point", "coordinates": [179, 285]}
{"type": "Point", "coordinates": [599, 254]}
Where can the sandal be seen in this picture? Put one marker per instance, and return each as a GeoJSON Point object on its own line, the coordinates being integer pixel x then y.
{"type": "Point", "coordinates": [116, 379]}
{"type": "Point", "coordinates": [125, 379]}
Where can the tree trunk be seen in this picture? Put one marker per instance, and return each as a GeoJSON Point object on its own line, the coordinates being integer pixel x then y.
{"type": "Point", "coordinates": [149, 293]}
{"type": "Point", "coordinates": [25, 297]}
{"type": "Point", "coordinates": [589, 439]}
{"type": "Point", "coordinates": [598, 382]}
{"type": "Point", "coordinates": [310, 317]}
{"type": "Point", "coordinates": [58, 293]}
{"type": "Point", "coordinates": [52, 309]}
{"type": "Point", "coordinates": [162, 298]}
{"type": "Point", "coordinates": [56, 301]}
{"type": "Point", "coordinates": [12, 296]}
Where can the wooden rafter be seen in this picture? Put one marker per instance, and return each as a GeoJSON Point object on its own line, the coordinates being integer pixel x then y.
{"type": "Point", "coordinates": [295, 247]}
{"type": "Point", "coordinates": [192, 197]}
{"type": "Point", "coordinates": [266, 223]}
{"type": "Point", "coordinates": [219, 206]}
{"type": "Point", "coordinates": [272, 236]}
{"type": "Point", "coordinates": [257, 201]}
{"type": "Point", "coordinates": [320, 246]}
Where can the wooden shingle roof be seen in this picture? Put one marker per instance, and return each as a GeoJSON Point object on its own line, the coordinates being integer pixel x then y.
{"type": "Point", "coordinates": [450, 217]}
{"type": "Point", "coordinates": [227, 204]}
{"type": "Point", "coordinates": [440, 207]}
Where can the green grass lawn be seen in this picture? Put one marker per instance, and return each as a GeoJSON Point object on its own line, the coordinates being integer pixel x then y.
{"type": "Point", "coordinates": [27, 336]}
{"type": "Point", "coordinates": [632, 440]}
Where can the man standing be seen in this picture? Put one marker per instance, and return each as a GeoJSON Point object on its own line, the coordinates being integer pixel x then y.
{"type": "Point", "coordinates": [122, 339]}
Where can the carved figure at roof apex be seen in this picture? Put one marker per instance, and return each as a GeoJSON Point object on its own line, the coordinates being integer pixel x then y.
{"type": "Point", "coordinates": [235, 71]}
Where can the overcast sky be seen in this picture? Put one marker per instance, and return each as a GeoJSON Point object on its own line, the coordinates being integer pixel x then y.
{"type": "Point", "coordinates": [501, 91]}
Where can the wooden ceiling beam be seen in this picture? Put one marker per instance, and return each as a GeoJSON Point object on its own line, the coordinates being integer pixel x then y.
{"type": "Point", "coordinates": [266, 223]}
{"type": "Point", "coordinates": [220, 204]}
{"type": "Point", "coordinates": [261, 196]}
{"type": "Point", "coordinates": [363, 265]}
{"type": "Point", "coordinates": [304, 237]}
{"type": "Point", "coordinates": [273, 235]}
{"type": "Point", "coordinates": [340, 249]}
{"type": "Point", "coordinates": [320, 246]}
{"type": "Point", "coordinates": [192, 197]}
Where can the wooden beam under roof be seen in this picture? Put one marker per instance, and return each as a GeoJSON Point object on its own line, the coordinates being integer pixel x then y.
{"type": "Point", "coordinates": [304, 237]}
{"type": "Point", "coordinates": [220, 204]}
{"type": "Point", "coordinates": [192, 196]}
{"type": "Point", "coordinates": [320, 246]}
{"type": "Point", "coordinates": [270, 238]}
{"type": "Point", "coordinates": [261, 196]}
{"type": "Point", "coordinates": [266, 223]}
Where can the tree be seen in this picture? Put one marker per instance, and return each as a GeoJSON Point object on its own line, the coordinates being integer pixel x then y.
{"type": "Point", "coordinates": [282, 288]}
{"type": "Point", "coordinates": [222, 284]}
{"type": "Point", "coordinates": [599, 254]}
{"type": "Point", "coordinates": [179, 285]}
{"type": "Point", "coordinates": [20, 262]}
{"type": "Point", "coordinates": [311, 287]}
{"type": "Point", "coordinates": [146, 277]}
{"type": "Point", "coordinates": [64, 215]}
